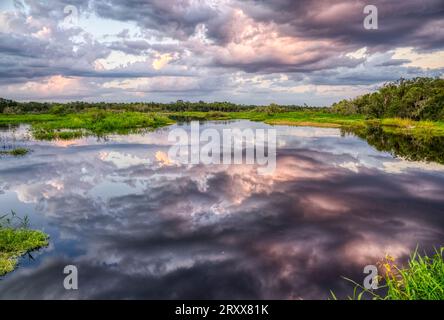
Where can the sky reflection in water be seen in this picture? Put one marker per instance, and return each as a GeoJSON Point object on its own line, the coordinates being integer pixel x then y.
{"type": "Point", "coordinates": [138, 227]}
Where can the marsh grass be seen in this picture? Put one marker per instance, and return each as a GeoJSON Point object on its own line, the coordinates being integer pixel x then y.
{"type": "Point", "coordinates": [16, 239]}
{"type": "Point", "coordinates": [17, 152]}
{"type": "Point", "coordinates": [100, 122]}
{"type": "Point", "coordinates": [332, 120]}
{"type": "Point", "coordinates": [421, 279]}
{"type": "Point", "coordinates": [418, 128]}
{"type": "Point", "coordinates": [96, 122]}
{"type": "Point", "coordinates": [198, 116]}
{"type": "Point", "coordinates": [91, 122]}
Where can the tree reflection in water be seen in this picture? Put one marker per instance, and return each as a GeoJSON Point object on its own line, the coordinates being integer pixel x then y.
{"type": "Point", "coordinates": [408, 146]}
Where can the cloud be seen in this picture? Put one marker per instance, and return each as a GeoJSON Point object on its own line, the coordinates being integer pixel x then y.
{"type": "Point", "coordinates": [430, 60]}
{"type": "Point", "coordinates": [401, 23]}
{"type": "Point", "coordinates": [162, 61]}
{"type": "Point", "coordinates": [313, 43]}
{"type": "Point", "coordinates": [52, 87]}
{"type": "Point", "coordinates": [176, 18]}
{"type": "Point", "coordinates": [117, 60]}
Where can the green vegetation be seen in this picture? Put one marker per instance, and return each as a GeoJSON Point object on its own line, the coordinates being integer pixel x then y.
{"type": "Point", "coordinates": [100, 122]}
{"type": "Point", "coordinates": [420, 146]}
{"type": "Point", "coordinates": [406, 107]}
{"type": "Point", "coordinates": [91, 122]}
{"type": "Point", "coordinates": [305, 118]}
{"type": "Point", "coordinates": [17, 152]}
{"type": "Point", "coordinates": [293, 117]}
{"type": "Point", "coordinates": [416, 99]}
{"type": "Point", "coordinates": [421, 279]}
{"type": "Point", "coordinates": [15, 107]}
{"type": "Point", "coordinates": [320, 119]}
{"type": "Point", "coordinates": [16, 239]}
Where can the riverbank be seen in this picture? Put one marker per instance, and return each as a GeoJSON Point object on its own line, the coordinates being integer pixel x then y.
{"type": "Point", "coordinates": [92, 122]}
{"type": "Point", "coordinates": [100, 122]}
{"type": "Point", "coordinates": [322, 119]}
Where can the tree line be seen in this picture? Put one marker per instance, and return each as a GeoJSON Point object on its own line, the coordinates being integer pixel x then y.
{"type": "Point", "coordinates": [15, 107]}
{"type": "Point", "coordinates": [417, 99]}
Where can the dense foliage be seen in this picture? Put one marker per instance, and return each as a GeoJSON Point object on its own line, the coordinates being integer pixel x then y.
{"type": "Point", "coordinates": [413, 147]}
{"type": "Point", "coordinates": [417, 99]}
{"type": "Point", "coordinates": [14, 107]}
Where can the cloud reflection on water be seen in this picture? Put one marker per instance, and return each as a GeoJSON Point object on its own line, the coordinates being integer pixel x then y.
{"type": "Point", "coordinates": [137, 228]}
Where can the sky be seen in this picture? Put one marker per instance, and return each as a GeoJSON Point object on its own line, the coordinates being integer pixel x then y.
{"type": "Point", "coordinates": [244, 51]}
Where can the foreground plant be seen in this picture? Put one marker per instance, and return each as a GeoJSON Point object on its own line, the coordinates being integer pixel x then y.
{"type": "Point", "coordinates": [16, 239]}
{"type": "Point", "coordinates": [421, 279]}
{"type": "Point", "coordinates": [17, 152]}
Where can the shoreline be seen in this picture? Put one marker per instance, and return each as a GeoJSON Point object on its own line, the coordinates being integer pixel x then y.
{"type": "Point", "coordinates": [75, 125]}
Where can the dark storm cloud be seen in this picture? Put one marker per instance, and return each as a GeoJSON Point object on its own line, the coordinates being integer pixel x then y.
{"type": "Point", "coordinates": [393, 62]}
{"type": "Point", "coordinates": [406, 23]}
{"type": "Point", "coordinates": [26, 58]}
{"type": "Point", "coordinates": [401, 23]}
{"type": "Point", "coordinates": [322, 61]}
{"type": "Point", "coordinates": [177, 18]}
{"type": "Point", "coordinates": [20, 47]}
{"type": "Point", "coordinates": [310, 41]}
{"type": "Point", "coordinates": [369, 75]}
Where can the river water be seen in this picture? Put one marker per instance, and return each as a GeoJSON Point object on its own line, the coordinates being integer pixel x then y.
{"type": "Point", "coordinates": [139, 226]}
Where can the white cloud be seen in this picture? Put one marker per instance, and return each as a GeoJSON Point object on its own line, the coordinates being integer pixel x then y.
{"type": "Point", "coordinates": [117, 59]}
{"type": "Point", "coordinates": [358, 54]}
{"type": "Point", "coordinates": [430, 60]}
{"type": "Point", "coordinates": [162, 61]}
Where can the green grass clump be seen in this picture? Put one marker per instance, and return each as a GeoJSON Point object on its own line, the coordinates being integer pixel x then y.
{"type": "Point", "coordinates": [421, 279]}
{"type": "Point", "coordinates": [17, 152]}
{"type": "Point", "coordinates": [15, 119]}
{"type": "Point", "coordinates": [17, 240]}
{"type": "Point", "coordinates": [56, 134]}
{"type": "Point", "coordinates": [91, 122]}
{"type": "Point", "coordinates": [96, 122]}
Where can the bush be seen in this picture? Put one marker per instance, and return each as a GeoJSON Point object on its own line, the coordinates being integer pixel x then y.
{"type": "Point", "coordinates": [57, 109]}
{"type": "Point", "coordinates": [416, 99]}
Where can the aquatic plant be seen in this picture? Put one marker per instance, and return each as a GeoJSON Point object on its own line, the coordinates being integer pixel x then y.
{"type": "Point", "coordinates": [95, 122]}
{"type": "Point", "coordinates": [421, 279]}
{"type": "Point", "coordinates": [16, 239]}
{"type": "Point", "coordinates": [15, 152]}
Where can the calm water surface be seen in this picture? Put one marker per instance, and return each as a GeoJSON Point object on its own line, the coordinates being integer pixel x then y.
{"type": "Point", "coordinates": [138, 226]}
